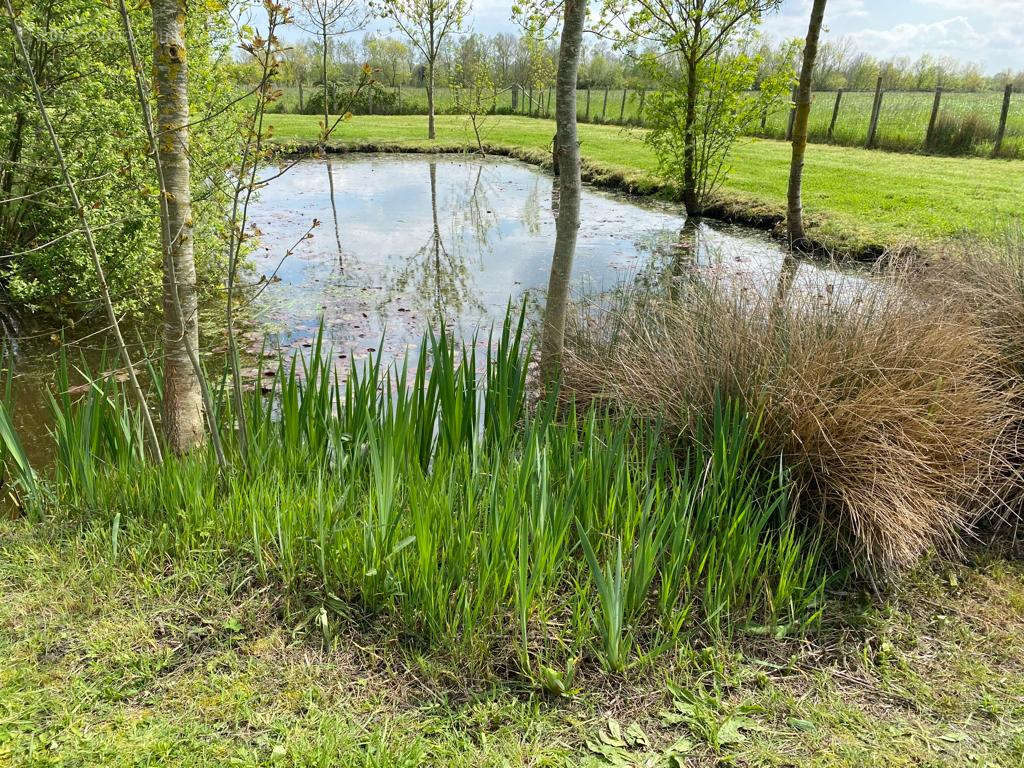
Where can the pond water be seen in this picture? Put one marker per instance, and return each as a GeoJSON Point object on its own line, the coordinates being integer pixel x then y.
{"type": "Point", "coordinates": [402, 242]}
{"type": "Point", "coordinates": [406, 240]}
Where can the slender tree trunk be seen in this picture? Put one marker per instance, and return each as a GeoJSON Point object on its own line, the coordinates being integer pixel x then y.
{"type": "Point", "coordinates": [430, 99]}
{"type": "Point", "coordinates": [794, 211]}
{"type": "Point", "coordinates": [568, 222]}
{"type": "Point", "coordinates": [183, 403]}
{"type": "Point", "coordinates": [690, 198]}
{"type": "Point", "coordinates": [326, 99]}
{"type": "Point", "coordinates": [165, 239]}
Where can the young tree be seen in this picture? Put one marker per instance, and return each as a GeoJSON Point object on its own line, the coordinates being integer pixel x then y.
{"type": "Point", "coordinates": [389, 56]}
{"type": "Point", "coordinates": [182, 397]}
{"type": "Point", "coordinates": [475, 92]}
{"type": "Point", "coordinates": [794, 210]}
{"type": "Point", "coordinates": [696, 152]}
{"type": "Point", "coordinates": [427, 24]}
{"type": "Point", "coordinates": [697, 32]}
{"type": "Point", "coordinates": [329, 19]}
{"type": "Point", "coordinates": [568, 163]}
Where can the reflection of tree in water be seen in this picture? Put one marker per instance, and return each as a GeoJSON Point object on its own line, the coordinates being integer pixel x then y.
{"type": "Point", "coordinates": [334, 212]}
{"type": "Point", "coordinates": [531, 210]}
{"type": "Point", "coordinates": [479, 214]}
{"type": "Point", "coordinates": [672, 263]}
{"type": "Point", "coordinates": [437, 272]}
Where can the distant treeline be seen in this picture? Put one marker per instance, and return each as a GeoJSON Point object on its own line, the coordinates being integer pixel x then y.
{"type": "Point", "coordinates": [524, 60]}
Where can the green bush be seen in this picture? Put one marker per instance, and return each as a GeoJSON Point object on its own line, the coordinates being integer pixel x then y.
{"type": "Point", "coordinates": [87, 83]}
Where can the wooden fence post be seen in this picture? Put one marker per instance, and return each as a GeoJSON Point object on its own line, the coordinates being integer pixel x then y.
{"type": "Point", "coordinates": [586, 115]}
{"type": "Point", "coordinates": [1002, 119]}
{"type": "Point", "coordinates": [835, 114]}
{"type": "Point", "coordinates": [876, 109]}
{"type": "Point", "coordinates": [640, 109]}
{"type": "Point", "coordinates": [515, 97]}
{"type": "Point", "coordinates": [930, 134]}
{"type": "Point", "coordinates": [604, 109]}
{"type": "Point", "coordinates": [792, 116]}
{"type": "Point", "coordinates": [622, 106]}
{"type": "Point", "coordinates": [529, 109]}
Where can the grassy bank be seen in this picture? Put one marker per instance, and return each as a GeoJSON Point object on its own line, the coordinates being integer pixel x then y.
{"type": "Point", "coordinates": [109, 663]}
{"type": "Point", "coordinates": [859, 202]}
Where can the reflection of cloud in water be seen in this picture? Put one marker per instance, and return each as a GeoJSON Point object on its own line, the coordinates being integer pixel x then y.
{"type": "Point", "coordinates": [496, 235]}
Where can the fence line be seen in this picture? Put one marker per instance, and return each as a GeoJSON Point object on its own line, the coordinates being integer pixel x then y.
{"type": "Point", "coordinates": [953, 123]}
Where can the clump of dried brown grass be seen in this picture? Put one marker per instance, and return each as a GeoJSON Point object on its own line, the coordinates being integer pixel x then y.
{"type": "Point", "coordinates": [894, 413]}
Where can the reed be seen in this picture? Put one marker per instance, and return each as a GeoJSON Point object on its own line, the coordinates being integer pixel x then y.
{"type": "Point", "coordinates": [431, 500]}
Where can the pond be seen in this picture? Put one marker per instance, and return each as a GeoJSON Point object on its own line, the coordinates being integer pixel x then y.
{"type": "Point", "coordinates": [403, 242]}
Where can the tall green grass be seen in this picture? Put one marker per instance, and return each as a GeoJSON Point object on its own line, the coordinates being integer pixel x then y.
{"type": "Point", "coordinates": [434, 502]}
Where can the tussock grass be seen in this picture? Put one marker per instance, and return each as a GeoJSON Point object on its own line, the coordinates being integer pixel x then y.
{"type": "Point", "coordinates": [894, 414]}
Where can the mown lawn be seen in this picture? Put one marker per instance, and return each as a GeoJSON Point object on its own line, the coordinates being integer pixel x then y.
{"type": "Point", "coordinates": [857, 199]}
{"type": "Point", "coordinates": [127, 663]}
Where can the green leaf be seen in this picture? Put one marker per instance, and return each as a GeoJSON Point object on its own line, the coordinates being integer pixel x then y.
{"type": "Point", "coordinates": [635, 736]}
{"type": "Point", "coordinates": [613, 736]}
{"type": "Point", "coordinates": [731, 730]}
{"type": "Point", "coordinates": [800, 725]}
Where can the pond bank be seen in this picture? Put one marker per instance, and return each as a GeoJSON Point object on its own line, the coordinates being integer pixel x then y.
{"type": "Point", "coordinates": [857, 201]}
{"type": "Point", "coordinates": [748, 213]}
{"type": "Point", "coordinates": [110, 663]}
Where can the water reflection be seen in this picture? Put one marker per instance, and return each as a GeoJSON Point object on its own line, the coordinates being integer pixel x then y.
{"type": "Point", "coordinates": [334, 212]}
{"type": "Point", "coordinates": [436, 276]}
{"type": "Point", "coordinates": [457, 238]}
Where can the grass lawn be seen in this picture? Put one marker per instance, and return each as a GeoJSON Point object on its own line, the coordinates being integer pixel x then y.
{"type": "Point", "coordinates": [856, 200]}
{"type": "Point", "coordinates": [133, 663]}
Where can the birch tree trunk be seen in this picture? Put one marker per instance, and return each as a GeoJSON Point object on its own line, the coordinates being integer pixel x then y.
{"type": "Point", "coordinates": [568, 223]}
{"type": "Point", "coordinates": [183, 404]}
{"type": "Point", "coordinates": [794, 210]}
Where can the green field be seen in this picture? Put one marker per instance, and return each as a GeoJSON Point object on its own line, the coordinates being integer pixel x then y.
{"type": "Point", "coordinates": [903, 120]}
{"type": "Point", "coordinates": [902, 124]}
{"type": "Point", "coordinates": [857, 200]}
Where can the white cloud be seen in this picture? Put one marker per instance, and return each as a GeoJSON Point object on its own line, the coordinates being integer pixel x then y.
{"type": "Point", "coordinates": [955, 35]}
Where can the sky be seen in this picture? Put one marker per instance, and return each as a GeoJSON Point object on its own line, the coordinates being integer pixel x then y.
{"type": "Point", "coordinates": [989, 32]}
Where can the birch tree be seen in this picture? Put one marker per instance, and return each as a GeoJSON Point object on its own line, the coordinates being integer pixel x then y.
{"type": "Point", "coordinates": [328, 19]}
{"type": "Point", "coordinates": [183, 413]}
{"type": "Point", "coordinates": [794, 209]}
{"type": "Point", "coordinates": [568, 166]}
{"type": "Point", "coordinates": [427, 24]}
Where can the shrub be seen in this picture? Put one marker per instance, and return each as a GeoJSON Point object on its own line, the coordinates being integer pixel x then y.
{"type": "Point", "coordinates": [893, 414]}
